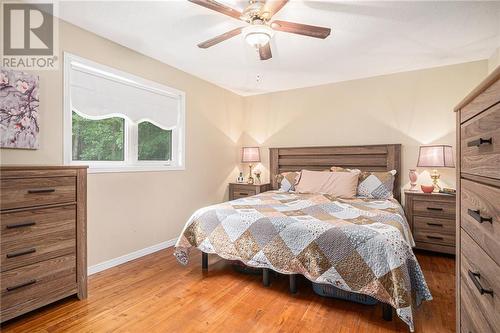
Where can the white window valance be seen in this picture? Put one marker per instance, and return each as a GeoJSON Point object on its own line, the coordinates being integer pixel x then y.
{"type": "Point", "coordinates": [98, 93]}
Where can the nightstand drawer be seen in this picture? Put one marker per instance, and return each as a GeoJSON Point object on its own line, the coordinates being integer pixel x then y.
{"type": "Point", "coordinates": [434, 225]}
{"type": "Point", "coordinates": [242, 194]}
{"type": "Point", "coordinates": [438, 209]}
{"type": "Point", "coordinates": [242, 190]}
{"type": "Point", "coordinates": [434, 237]}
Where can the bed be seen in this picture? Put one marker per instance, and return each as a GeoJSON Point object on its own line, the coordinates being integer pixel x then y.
{"type": "Point", "coordinates": [359, 245]}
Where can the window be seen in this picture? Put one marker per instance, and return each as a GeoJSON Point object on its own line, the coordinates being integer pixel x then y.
{"type": "Point", "coordinates": [114, 121]}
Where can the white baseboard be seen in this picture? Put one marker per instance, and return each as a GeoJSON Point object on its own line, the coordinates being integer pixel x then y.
{"type": "Point", "coordinates": [130, 256]}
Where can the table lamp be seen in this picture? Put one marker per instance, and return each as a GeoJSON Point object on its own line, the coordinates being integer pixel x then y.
{"type": "Point", "coordinates": [250, 155]}
{"type": "Point", "coordinates": [435, 156]}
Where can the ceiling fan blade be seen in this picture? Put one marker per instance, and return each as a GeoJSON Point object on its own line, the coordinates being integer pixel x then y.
{"type": "Point", "coordinates": [214, 5]}
{"type": "Point", "coordinates": [301, 29]}
{"type": "Point", "coordinates": [265, 52]}
{"type": "Point", "coordinates": [271, 7]}
{"type": "Point", "coordinates": [220, 38]}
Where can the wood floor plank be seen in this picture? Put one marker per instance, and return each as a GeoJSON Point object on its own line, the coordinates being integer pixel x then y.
{"type": "Point", "coordinates": [156, 294]}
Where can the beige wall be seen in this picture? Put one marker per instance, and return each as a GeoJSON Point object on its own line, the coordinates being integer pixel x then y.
{"type": "Point", "coordinates": [131, 211]}
{"type": "Point", "coordinates": [494, 60]}
{"type": "Point", "coordinates": [411, 108]}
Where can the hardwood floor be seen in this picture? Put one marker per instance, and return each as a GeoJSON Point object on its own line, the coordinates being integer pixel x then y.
{"type": "Point", "coordinates": [156, 294]}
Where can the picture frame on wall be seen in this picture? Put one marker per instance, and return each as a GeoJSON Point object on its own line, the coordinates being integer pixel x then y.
{"type": "Point", "coordinates": [19, 109]}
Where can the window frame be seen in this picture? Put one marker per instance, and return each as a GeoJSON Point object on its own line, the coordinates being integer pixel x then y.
{"type": "Point", "coordinates": [130, 146]}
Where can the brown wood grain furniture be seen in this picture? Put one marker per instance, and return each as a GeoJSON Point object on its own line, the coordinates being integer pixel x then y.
{"type": "Point", "coordinates": [43, 236]}
{"type": "Point", "coordinates": [242, 190]}
{"type": "Point", "coordinates": [478, 208]}
{"type": "Point", "coordinates": [366, 158]}
{"type": "Point", "coordinates": [432, 220]}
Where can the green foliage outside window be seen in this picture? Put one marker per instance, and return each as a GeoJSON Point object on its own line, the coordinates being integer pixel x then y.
{"type": "Point", "coordinates": [98, 140]}
{"type": "Point", "coordinates": [155, 143]}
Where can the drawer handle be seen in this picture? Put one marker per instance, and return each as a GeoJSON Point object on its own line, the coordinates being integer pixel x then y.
{"type": "Point", "coordinates": [476, 215]}
{"type": "Point", "coordinates": [20, 225]}
{"type": "Point", "coordinates": [435, 237]}
{"type": "Point", "coordinates": [479, 142]}
{"type": "Point", "coordinates": [21, 253]}
{"type": "Point", "coordinates": [434, 224]}
{"type": "Point", "coordinates": [41, 190]}
{"type": "Point", "coordinates": [435, 208]}
{"type": "Point", "coordinates": [475, 276]}
{"type": "Point", "coordinates": [24, 284]}
{"type": "Point", "coordinates": [241, 193]}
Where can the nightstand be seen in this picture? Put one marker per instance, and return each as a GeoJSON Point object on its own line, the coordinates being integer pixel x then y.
{"type": "Point", "coordinates": [242, 190]}
{"type": "Point", "coordinates": [432, 220]}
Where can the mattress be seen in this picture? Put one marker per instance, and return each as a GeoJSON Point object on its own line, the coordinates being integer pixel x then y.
{"type": "Point", "coordinates": [358, 245]}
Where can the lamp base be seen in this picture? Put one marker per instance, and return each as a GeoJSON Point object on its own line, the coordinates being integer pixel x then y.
{"type": "Point", "coordinates": [250, 178]}
{"type": "Point", "coordinates": [435, 178]}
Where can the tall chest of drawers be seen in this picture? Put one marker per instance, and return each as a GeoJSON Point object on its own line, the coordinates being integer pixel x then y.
{"type": "Point", "coordinates": [43, 236]}
{"type": "Point", "coordinates": [478, 208]}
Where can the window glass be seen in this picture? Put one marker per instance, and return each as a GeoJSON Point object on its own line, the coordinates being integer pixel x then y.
{"type": "Point", "coordinates": [98, 140]}
{"type": "Point", "coordinates": [154, 143]}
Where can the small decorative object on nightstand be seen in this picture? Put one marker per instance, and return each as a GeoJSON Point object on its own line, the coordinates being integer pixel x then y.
{"type": "Point", "coordinates": [436, 156]}
{"type": "Point", "coordinates": [250, 155]}
{"type": "Point", "coordinates": [237, 191]}
{"type": "Point", "coordinates": [413, 179]}
{"type": "Point", "coordinates": [432, 220]}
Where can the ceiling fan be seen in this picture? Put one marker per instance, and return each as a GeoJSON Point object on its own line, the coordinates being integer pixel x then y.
{"type": "Point", "coordinates": [258, 14]}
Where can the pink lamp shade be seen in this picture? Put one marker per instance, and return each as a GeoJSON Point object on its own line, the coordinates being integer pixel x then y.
{"type": "Point", "coordinates": [250, 155]}
{"type": "Point", "coordinates": [436, 156]}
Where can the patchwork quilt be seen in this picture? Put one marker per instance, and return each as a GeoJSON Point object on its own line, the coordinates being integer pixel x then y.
{"type": "Point", "coordinates": [359, 245]}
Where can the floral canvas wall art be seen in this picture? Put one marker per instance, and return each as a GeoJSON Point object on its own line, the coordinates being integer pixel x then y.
{"type": "Point", "coordinates": [19, 103]}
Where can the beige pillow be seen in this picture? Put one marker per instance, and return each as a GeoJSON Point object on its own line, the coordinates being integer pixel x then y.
{"type": "Point", "coordinates": [339, 184]}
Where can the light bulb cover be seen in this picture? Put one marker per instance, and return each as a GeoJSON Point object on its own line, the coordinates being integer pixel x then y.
{"type": "Point", "coordinates": [258, 35]}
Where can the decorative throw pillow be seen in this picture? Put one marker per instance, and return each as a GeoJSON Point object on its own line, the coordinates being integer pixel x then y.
{"type": "Point", "coordinates": [339, 184]}
{"type": "Point", "coordinates": [288, 180]}
{"type": "Point", "coordinates": [377, 185]}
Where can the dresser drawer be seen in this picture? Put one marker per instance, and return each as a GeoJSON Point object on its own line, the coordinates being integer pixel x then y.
{"type": "Point", "coordinates": [28, 192]}
{"type": "Point", "coordinates": [434, 237]}
{"type": "Point", "coordinates": [472, 319]}
{"type": "Point", "coordinates": [29, 287]}
{"type": "Point", "coordinates": [480, 215]}
{"type": "Point", "coordinates": [480, 283]}
{"type": "Point", "coordinates": [19, 226]}
{"type": "Point", "coordinates": [489, 97]}
{"type": "Point", "coordinates": [19, 250]}
{"type": "Point", "coordinates": [434, 225]}
{"type": "Point", "coordinates": [437, 209]}
{"type": "Point", "coordinates": [480, 144]}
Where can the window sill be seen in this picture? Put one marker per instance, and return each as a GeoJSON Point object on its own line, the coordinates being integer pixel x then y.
{"type": "Point", "coordinates": [142, 168]}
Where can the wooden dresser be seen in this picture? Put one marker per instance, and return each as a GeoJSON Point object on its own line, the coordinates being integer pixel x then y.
{"type": "Point", "coordinates": [478, 209]}
{"type": "Point", "coordinates": [43, 236]}
{"type": "Point", "coordinates": [432, 220]}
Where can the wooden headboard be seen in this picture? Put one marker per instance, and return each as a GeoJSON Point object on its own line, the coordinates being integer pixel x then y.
{"type": "Point", "coordinates": [366, 158]}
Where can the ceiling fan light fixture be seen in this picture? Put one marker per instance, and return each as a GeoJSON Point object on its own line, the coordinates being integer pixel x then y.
{"type": "Point", "coordinates": [258, 35]}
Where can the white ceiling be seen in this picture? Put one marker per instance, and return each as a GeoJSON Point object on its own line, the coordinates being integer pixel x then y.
{"type": "Point", "coordinates": [368, 38]}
